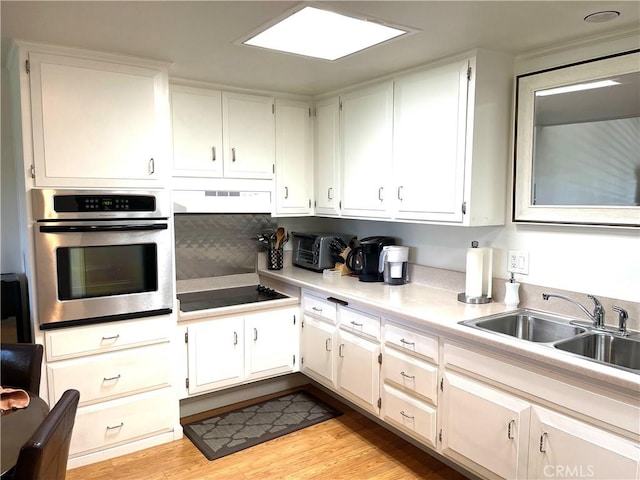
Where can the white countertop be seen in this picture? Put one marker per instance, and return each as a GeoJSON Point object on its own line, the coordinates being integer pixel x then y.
{"type": "Point", "coordinates": [438, 309]}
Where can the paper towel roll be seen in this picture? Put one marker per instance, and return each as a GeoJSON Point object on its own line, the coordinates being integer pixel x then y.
{"type": "Point", "coordinates": [474, 278]}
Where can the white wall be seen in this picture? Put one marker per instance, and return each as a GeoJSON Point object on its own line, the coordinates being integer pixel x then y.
{"type": "Point", "coordinates": [10, 258]}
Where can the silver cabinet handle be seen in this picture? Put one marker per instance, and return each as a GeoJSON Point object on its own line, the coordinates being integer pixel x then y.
{"type": "Point", "coordinates": [380, 190]}
{"type": "Point", "coordinates": [327, 344]}
{"type": "Point", "coordinates": [235, 338]}
{"type": "Point", "coordinates": [255, 334]}
{"type": "Point", "coordinates": [406, 416]}
{"type": "Point", "coordinates": [341, 350]}
{"type": "Point", "coordinates": [510, 428]}
{"type": "Point", "coordinates": [286, 192]}
{"type": "Point", "coordinates": [400, 192]}
{"type": "Point", "coordinates": [356, 324]}
{"type": "Point", "coordinates": [115, 427]}
{"type": "Point", "coordinates": [330, 193]}
{"type": "Point", "coordinates": [233, 154]}
{"type": "Point", "coordinates": [213, 153]}
{"type": "Point", "coordinates": [406, 342]}
{"type": "Point", "coordinates": [316, 309]}
{"type": "Point", "coordinates": [113, 337]}
{"type": "Point", "coordinates": [543, 441]}
{"type": "Point", "coordinates": [109, 379]}
{"type": "Point", "coordinates": [152, 166]}
{"type": "Point", "coordinates": [411, 377]}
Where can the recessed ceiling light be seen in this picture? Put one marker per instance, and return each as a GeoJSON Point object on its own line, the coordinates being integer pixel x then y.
{"type": "Point", "coordinates": [319, 33]}
{"type": "Point", "coordinates": [577, 87]}
{"type": "Point", "coordinates": [604, 16]}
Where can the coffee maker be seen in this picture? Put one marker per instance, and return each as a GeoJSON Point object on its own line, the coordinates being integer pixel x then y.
{"type": "Point", "coordinates": [364, 259]}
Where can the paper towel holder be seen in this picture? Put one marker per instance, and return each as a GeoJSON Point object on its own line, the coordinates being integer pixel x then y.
{"type": "Point", "coordinates": [485, 297]}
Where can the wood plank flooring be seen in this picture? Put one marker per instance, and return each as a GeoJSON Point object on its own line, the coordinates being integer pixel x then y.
{"type": "Point", "coordinates": [350, 446]}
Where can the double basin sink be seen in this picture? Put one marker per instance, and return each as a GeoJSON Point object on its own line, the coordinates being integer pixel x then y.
{"type": "Point", "coordinates": [557, 332]}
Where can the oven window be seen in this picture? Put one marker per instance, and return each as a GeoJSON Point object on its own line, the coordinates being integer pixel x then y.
{"type": "Point", "coordinates": [86, 272]}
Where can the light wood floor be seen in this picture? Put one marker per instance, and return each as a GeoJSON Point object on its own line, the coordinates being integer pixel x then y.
{"type": "Point", "coordinates": [350, 446]}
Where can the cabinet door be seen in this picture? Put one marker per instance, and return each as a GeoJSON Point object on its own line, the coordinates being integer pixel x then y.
{"type": "Point", "coordinates": [358, 370]}
{"type": "Point", "coordinates": [97, 123]}
{"type": "Point", "coordinates": [215, 354]}
{"type": "Point", "coordinates": [327, 157]}
{"type": "Point", "coordinates": [429, 143]}
{"type": "Point", "coordinates": [366, 135]}
{"type": "Point", "coordinates": [485, 427]}
{"type": "Point", "coordinates": [272, 343]}
{"type": "Point", "coordinates": [248, 135]}
{"type": "Point", "coordinates": [196, 120]}
{"type": "Point", "coordinates": [319, 349]}
{"type": "Point", "coordinates": [294, 160]}
{"type": "Point", "coordinates": [561, 447]}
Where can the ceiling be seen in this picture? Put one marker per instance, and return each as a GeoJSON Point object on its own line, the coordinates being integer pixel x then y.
{"type": "Point", "coordinates": [200, 38]}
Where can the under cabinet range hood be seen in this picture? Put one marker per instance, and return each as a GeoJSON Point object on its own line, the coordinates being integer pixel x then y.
{"type": "Point", "coordinates": [221, 201]}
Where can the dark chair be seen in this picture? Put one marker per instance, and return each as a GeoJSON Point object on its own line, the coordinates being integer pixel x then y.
{"type": "Point", "coordinates": [44, 456]}
{"type": "Point", "coordinates": [20, 366]}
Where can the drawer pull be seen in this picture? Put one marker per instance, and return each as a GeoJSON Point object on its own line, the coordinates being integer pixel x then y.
{"type": "Point", "coordinates": [112, 337]}
{"type": "Point", "coordinates": [116, 427]}
{"type": "Point", "coordinates": [406, 342]}
{"type": "Point", "coordinates": [510, 428]}
{"type": "Point", "coordinates": [412, 377]}
{"type": "Point", "coordinates": [543, 447]}
{"type": "Point", "coordinates": [109, 379]}
{"type": "Point", "coordinates": [327, 344]}
{"type": "Point", "coordinates": [316, 309]}
{"type": "Point", "coordinates": [406, 416]}
{"type": "Point", "coordinates": [356, 324]}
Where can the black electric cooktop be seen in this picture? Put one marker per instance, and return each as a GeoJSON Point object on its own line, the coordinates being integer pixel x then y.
{"type": "Point", "coordinates": [226, 297]}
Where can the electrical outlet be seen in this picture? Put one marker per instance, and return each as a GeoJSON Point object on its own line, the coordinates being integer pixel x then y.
{"type": "Point", "coordinates": [518, 262]}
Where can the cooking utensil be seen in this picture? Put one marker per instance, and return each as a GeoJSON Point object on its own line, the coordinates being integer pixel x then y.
{"type": "Point", "coordinates": [280, 235]}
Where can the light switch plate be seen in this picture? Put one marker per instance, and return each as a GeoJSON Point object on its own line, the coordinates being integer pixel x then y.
{"type": "Point", "coordinates": [518, 262]}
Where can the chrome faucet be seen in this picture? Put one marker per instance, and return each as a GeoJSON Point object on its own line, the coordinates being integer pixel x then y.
{"type": "Point", "coordinates": [597, 317]}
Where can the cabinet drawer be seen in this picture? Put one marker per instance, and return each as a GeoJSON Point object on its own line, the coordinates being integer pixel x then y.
{"type": "Point", "coordinates": [75, 342]}
{"type": "Point", "coordinates": [111, 375]}
{"type": "Point", "coordinates": [410, 373]}
{"type": "Point", "coordinates": [358, 322]}
{"type": "Point", "coordinates": [411, 341]}
{"type": "Point", "coordinates": [410, 415]}
{"type": "Point", "coordinates": [107, 424]}
{"type": "Point", "coordinates": [320, 307]}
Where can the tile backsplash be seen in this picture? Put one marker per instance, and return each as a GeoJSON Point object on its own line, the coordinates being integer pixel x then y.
{"type": "Point", "coordinates": [213, 245]}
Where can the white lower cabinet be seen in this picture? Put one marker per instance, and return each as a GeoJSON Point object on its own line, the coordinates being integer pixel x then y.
{"type": "Point", "coordinates": [358, 370]}
{"type": "Point", "coordinates": [484, 426]}
{"type": "Point", "coordinates": [319, 345]}
{"type": "Point", "coordinates": [227, 351]}
{"type": "Point", "coordinates": [123, 371]}
{"type": "Point", "coordinates": [563, 447]}
{"type": "Point", "coordinates": [409, 414]}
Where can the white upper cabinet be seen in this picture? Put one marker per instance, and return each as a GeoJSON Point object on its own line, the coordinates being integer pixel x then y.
{"type": "Point", "coordinates": [294, 158]}
{"type": "Point", "coordinates": [100, 122]}
{"type": "Point", "coordinates": [248, 135]}
{"type": "Point", "coordinates": [429, 143]}
{"type": "Point", "coordinates": [196, 120]}
{"type": "Point", "coordinates": [327, 157]}
{"type": "Point", "coordinates": [366, 128]}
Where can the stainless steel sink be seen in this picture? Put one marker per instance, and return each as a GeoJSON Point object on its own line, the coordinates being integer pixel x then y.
{"type": "Point", "coordinates": [528, 325]}
{"type": "Point", "coordinates": [623, 352]}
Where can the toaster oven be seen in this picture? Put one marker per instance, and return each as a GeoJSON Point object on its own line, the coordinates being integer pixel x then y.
{"type": "Point", "coordinates": [313, 251]}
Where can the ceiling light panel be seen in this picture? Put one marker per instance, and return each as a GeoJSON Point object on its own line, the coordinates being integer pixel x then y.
{"type": "Point", "coordinates": [577, 87]}
{"type": "Point", "coordinates": [314, 32]}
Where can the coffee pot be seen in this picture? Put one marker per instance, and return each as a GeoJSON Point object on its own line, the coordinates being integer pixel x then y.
{"type": "Point", "coordinates": [394, 265]}
{"type": "Point", "coordinates": [365, 258]}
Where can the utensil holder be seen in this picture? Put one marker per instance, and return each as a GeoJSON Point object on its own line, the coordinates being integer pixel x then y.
{"type": "Point", "coordinates": [275, 259]}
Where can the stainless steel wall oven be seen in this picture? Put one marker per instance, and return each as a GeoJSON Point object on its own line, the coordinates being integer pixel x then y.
{"type": "Point", "coordinates": [101, 256]}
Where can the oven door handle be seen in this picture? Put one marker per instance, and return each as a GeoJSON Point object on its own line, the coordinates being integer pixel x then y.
{"type": "Point", "coordinates": [102, 228]}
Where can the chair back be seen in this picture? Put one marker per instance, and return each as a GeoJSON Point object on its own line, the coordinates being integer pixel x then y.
{"type": "Point", "coordinates": [20, 366]}
{"type": "Point", "coordinates": [44, 456]}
